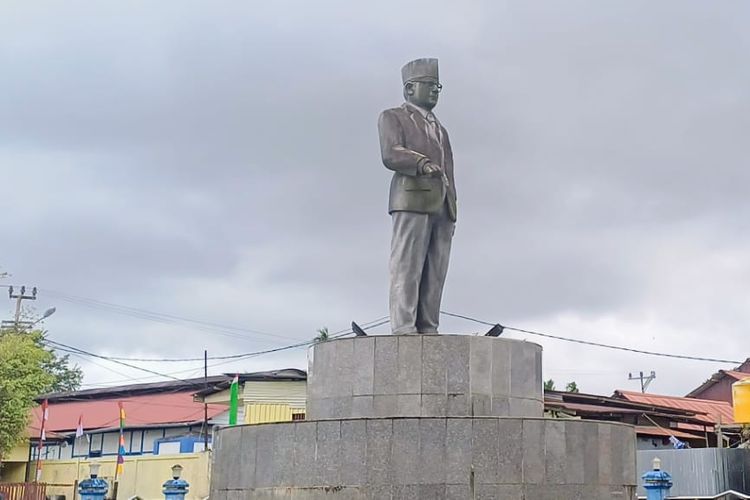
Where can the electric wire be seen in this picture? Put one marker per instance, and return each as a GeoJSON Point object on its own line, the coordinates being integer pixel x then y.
{"type": "Point", "coordinates": [225, 359]}
{"type": "Point", "coordinates": [52, 343]}
{"type": "Point", "coordinates": [164, 318]}
{"type": "Point", "coordinates": [594, 344]}
{"type": "Point", "coordinates": [372, 324]}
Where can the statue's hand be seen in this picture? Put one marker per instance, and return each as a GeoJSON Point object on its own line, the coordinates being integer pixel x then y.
{"type": "Point", "coordinates": [431, 169]}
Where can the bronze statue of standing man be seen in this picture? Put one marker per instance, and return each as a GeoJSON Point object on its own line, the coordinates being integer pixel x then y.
{"type": "Point", "coordinates": [415, 146]}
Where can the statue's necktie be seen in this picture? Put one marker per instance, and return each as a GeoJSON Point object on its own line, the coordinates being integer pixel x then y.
{"type": "Point", "coordinates": [432, 127]}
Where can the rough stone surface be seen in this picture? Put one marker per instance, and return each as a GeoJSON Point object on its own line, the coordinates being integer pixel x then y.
{"type": "Point", "coordinates": [419, 458]}
{"type": "Point", "coordinates": [424, 375]}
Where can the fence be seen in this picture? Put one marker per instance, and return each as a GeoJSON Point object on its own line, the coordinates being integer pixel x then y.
{"type": "Point", "coordinates": [23, 491]}
{"type": "Point", "coordinates": [726, 495]}
{"type": "Point", "coordinates": [143, 476]}
{"type": "Point", "coordinates": [702, 473]}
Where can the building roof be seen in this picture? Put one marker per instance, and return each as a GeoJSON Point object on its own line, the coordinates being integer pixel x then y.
{"type": "Point", "coordinates": [140, 411]}
{"type": "Point", "coordinates": [739, 373]}
{"type": "Point", "coordinates": [214, 382]}
{"type": "Point", "coordinates": [192, 384]}
{"type": "Point", "coordinates": [708, 411]}
{"type": "Point", "coordinates": [596, 406]}
{"type": "Point", "coordinates": [285, 375]}
{"type": "Point", "coordinates": [644, 430]}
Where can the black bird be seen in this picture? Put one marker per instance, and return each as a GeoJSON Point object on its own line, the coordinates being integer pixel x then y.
{"type": "Point", "coordinates": [358, 331]}
{"type": "Point", "coordinates": [495, 331]}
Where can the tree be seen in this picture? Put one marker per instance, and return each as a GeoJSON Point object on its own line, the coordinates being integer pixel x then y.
{"type": "Point", "coordinates": [571, 387]}
{"type": "Point", "coordinates": [23, 377]}
{"type": "Point", "coordinates": [65, 376]}
{"type": "Point", "coordinates": [323, 335]}
{"type": "Point", "coordinates": [549, 385]}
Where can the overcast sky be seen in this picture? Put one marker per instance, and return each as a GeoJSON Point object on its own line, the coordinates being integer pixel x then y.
{"type": "Point", "coordinates": [219, 162]}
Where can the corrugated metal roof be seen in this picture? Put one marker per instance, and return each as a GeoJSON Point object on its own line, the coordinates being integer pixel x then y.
{"type": "Point", "coordinates": [737, 375]}
{"type": "Point", "coordinates": [140, 411]}
{"type": "Point", "coordinates": [192, 384]}
{"type": "Point", "coordinates": [706, 410]}
{"type": "Point", "coordinates": [287, 374]}
{"type": "Point", "coordinates": [643, 430]}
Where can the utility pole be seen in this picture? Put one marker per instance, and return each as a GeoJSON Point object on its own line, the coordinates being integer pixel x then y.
{"type": "Point", "coordinates": [19, 298]}
{"type": "Point", "coordinates": [645, 379]}
{"type": "Point", "coordinates": [205, 405]}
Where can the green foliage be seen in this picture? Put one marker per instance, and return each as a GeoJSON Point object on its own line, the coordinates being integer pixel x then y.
{"type": "Point", "coordinates": [67, 377]}
{"type": "Point", "coordinates": [322, 336]}
{"type": "Point", "coordinates": [23, 377]}
{"type": "Point", "coordinates": [571, 387]}
{"type": "Point", "coordinates": [549, 385]}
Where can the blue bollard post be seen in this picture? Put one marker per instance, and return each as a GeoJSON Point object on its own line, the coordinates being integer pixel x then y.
{"type": "Point", "coordinates": [657, 482]}
{"type": "Point", "coordinates": [93, 488]}
{"type": "Point", "coordinates": [175, 488]}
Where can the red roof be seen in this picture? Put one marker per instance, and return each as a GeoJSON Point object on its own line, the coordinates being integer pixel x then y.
{"type": "Point", "coordinates": [643, 430]}
{"type": "Point", "coordinates": [707, 410]}
{"type": "Point", "coordinates": [140, 411]}
{"type": "Point", "coordinates": [737, 375]}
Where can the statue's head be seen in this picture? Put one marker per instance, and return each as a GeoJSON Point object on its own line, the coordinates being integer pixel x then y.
{"type": "Point", "coordinates": [421, 82]}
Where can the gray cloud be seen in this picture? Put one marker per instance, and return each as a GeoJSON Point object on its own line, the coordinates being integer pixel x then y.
{"type": "Point", "coordinates": [223, 164]}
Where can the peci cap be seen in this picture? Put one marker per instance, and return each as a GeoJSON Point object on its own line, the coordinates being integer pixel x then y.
{"type": "Point", "coordinates": [420, 68]}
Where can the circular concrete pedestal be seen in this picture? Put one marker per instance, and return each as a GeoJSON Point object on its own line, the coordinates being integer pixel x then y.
{"type": "Point", "coordinates": [425, 417]}
{"type": "Point", "coordinates": [447, 458]}
{"type": "Point", "coordinates": [424, 375]}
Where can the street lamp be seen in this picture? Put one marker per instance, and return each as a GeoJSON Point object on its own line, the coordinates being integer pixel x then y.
{"type": "Point", "coordinates": [49, 312]}
{"type": "Point", "coordinates": [176, 471]}
{"type": "Point", "coordinates": [175, 488]}
{"type": "Point", "coordinates": [21, 326]}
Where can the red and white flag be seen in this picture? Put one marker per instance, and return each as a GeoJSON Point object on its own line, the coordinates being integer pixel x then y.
{"type": "Point", "coordinates": [42, 436]}
{"type": "Point", "coordinates": [45, 417]}
{"type": "Point", "coordinates": [79, 429]}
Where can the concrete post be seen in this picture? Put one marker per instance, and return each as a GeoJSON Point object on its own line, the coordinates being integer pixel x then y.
{"type": "Point", "coordinates": [93, 488]}
{"type": "Point", "coordinates": [175, 488]}
{"type": "Point", "coordinates": [657, 482]}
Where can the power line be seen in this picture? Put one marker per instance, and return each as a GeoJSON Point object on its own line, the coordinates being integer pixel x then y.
{"type": "Point", "coordinates": [226, 359]}
{"type": "Point", "coordinates": [164, 318]}
{"type": "Point", "coordinates": [87, 353]}
{"type": "Point", "coordinates": [595, 344]}
{"type": "Point", "coordinates": [371, 324]}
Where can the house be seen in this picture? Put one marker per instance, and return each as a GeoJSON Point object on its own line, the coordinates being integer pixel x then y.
{"type": "Point", "coordinates": [654, 424]}
{"type": "Point", "coordinates": [153, 412]}
{"type": "Point", "coordinates": [165, 423]}
{"type": "Point", "coordinates": [162, 417]}
{"type": "Point", "coordinates": [711, 415]}
{"type": "Point", "coordinates": [719, 386]}
{"type": "Point", "coordinates": [273, 396]}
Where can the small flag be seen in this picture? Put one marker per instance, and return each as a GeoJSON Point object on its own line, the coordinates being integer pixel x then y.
{"type": "Point", "coordinates": [42, 437]}
{"type": "Point", "coordinates": [234, 399]}
{"type": "Point", "coordinates": [45, 417]}
{"type": "Point", "coordinates": [121, 447]}
{"type": "Point", "coordinates": [79, 429]}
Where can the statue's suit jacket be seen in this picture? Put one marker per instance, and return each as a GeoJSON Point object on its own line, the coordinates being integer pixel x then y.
{"type": "Point", "coordinates": [405, 144]}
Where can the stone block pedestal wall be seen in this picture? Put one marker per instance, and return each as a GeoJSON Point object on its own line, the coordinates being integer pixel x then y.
{"type": "Point", "coordinates": [424, 376]}
{"type": "Point", "coordinates": [415, 444]}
